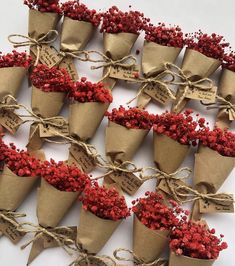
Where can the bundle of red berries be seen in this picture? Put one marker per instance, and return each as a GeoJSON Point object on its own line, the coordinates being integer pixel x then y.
{"type": "Point", "coordinates": [115, 21]}
{"type": "Point", "coordinates": [153, 213]}
{"type": "Point", "coordinates": [161, 34]}
{"type": "Point", "coordinates": [86, 91]}
{"type": "Point", "coordinates": [44, 5]}
{"type": "Point", "coordinates": [229, 61]}
{"type": "Point", "coordinates": [15, 59]}
{"type": "Point", "coordinates": [19, 161]}
{"type": "Point", "coordinates": [105, 203]}
{"type": "Point", "coordinates": [64, 177]}
{"type": "Point", "coordinates": [51, 79]}
{"type": "Point", "coordinates": [180, 127]}
{"type": "Point", "coordinates": [222, 141]}
{"type": "Point", "coordinates": [132, 118]}
{"type": "Point", "coordinates": [213, 45]}
{"type": "Point", "coordinates": [78, 11]}
{"type": "Point", "coordinates": [196, 241]}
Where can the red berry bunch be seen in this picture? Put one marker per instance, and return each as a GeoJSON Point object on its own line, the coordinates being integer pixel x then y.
{"type": "Point", "coordinates": [64, 177]}
{"type": "Point", "coordinates": [15, 59]}
{"type": "Point", "coordinates": [86, 91]}
{"type": "Point", "coordinates": [19, 161]}
{"type": "Point", "coordinates": [78, 11]}
{"type": "Point", "coordinates": [105, 203]}
{"type": "Point", "coordinates": [222, 141]}
{"type": "Point", "coordinates": [161, 34]}
{"type": "Point", "coordinates": [115, 21]}
{"type": "Point", "coordinates": [51, 79]}
{"type": "Point", "coordinates": [180, 127]}
{"type": "Point", "coordinates": [196, 241]}
{"type": "Point", "coordinates": [44, 5]}
{"type": "Point", "coordinates": [229, 61]}
{"type": "Point", "coordinates": [210, 45]}
{"type": "Point", "coordinates": [132, 118]}
{"type": "Point", "coordinates": [153, 213]}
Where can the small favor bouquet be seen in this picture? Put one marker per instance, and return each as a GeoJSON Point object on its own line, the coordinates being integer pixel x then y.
{"type": "Point", "coordinates": [193, 244]}
{"type": "Point", "coordinates": [204, 54]}
{"type": "Point", "coordinates": [13, 69]}
{"type": "Point", "coordinates": [162, 45]}
{"type": "Point", "coordinates": [121, 30]}
{"type": "Point", "coordinates": [152, 224]}
{"type": "Point", "coordinates": [103, 209]}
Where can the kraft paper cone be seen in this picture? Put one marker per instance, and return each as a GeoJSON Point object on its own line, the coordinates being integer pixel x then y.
{"type": "Point", "coordinates": [40, 23]}
{"type": "Point", "coordinates": [227, 91]}
{"type": "Point", "coordinates": [75, 34]}
{"type": "Point", "coordinates": [122, 143]}
{"type": "Point", "coordinates": [195, 66]}
{"type": "Point", "coordinates": [11, 79]}
{"type": "Point", "coordinates": [153, 59]}
{"type": "Point", "coordinates": [53, 204]}
{"type": "Point", "coordinates": [211, 169]}
{"type": "Point", "coordinates": [187, 261]}
{"type": "Point", "coordinates": [35, 141]}
{"type": "Point", "coordinates": [14, 189]}
{"type": "Point", "coordinates": [85, 118]}
{"type": "Point", "coordinates": [46, 104]}
{"type": "Point", "coordinates": [169, 154]}
{"type": "Point", "coordinates": [117, 46]}
{"type": "Point", "coordinates": [148, 244]}
{"type": "Point", "coordinates": [94, 232]}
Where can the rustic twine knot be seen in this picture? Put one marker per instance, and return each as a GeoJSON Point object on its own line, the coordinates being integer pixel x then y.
{"type": "Point", "coordinates": [205, 84]}
{"type": "Point", "coordinates": [47, 38]}
{"type": "Point", "coordinates": [222, 199]}
{"type": "Point", "coordinates": [10, 217]}
{"type": "Point", "coordinates": [61, 239]}
{"type": "Point", "coordinates": [136, 260]}
{"type": "Point", "coordinates": [9, 102]}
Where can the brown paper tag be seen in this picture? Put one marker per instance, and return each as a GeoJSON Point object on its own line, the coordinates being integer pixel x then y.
{"type": "Point", "coordinates": [231, 114]}
{"type": "Point", "coordinates": [118, 72]}
{"type": "Point", "coordinates": [69, 65]}
{"type": "Point", "coordinates": [202, 95]}
{"type": "Point", "coordinates": [206, 206]}
{"type": "Point", "coordinates": [48, 55]}
{"type": "Point", "coordinates": [158, 93]}
{"type": "Point", "coordinates": [49, 131]}
{"type": "Point", "coordinates": [10, 231]}
{"type": "Point", "coordinates": [129, 182]}
{"type": "Point", "coordinates": [85, 161]}
{"type": "Point", "coordinates": [10, 120]}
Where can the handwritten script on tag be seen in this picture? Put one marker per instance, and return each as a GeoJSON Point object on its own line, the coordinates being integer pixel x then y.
{"type": "Point", "coordinates": [206, 206]}
{"type": "Point", "coordinates": [118, 72]}
{"type": "Point", "coordinates": [50, 131]}
{"type": "Point", "coordinates": [69, 65]}
{"type": "Point", "coordinates": [10, 120]}
{"type": "Point", "coordinates": [202, 95]}
{"type": "Point", "coordinates": [158, 93]}
{"type": "Point", "coordinates": [10, 231]}
{"type": "Point", "coordinates": [129, 182]}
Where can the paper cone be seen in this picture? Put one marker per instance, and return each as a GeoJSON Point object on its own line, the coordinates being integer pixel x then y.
{"type": "Point", "coordinates": [117, 46]}
{"type": "Point", "coordinates": [75, 34]}
{"type": "Point", "coordinates": [93, 232]}
{"type": "Point", "coordinates": [40, 23]}
{"type": "Point", "coordinates": [53, 204]}
{"type": "Point", "coordinates": [227, 91]}
{"type": "Point", "coordinates": [169, 154]}
{"type": "Point", "coordinates": [85, 118]}
{"type": "Point", "coordinates": [46, 104]}
{"type": "Point", "coordinates": [14, 189]}
{"type": "Point", "coordinates": [187, 261]}
{"type": "Point", "coordinates": [195, 66]}
{"type": "Point", "coordinates": [35, 141]}
{"type": "Point", "coordinates": [122, 143]}
{"type": "Point", "coordinates": [211, 169]}
{"type": "Point", "coordinates": [11, 79]}
{"type": "Point", "coordinates": [148, 244]}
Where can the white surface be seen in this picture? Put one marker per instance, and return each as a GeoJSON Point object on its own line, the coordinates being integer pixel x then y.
{"type": "Point", "coordinates": [208, 15]}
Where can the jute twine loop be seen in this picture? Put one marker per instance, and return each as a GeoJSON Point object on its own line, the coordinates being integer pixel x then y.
{"type": "Point", "coordinates": [61, 239]}
{"type": "Point", "coordinates": [137, 261]}
{"type": "Point", "coordinates": [11, 217]}
{"type": "Point", "coordinates": [205, 84]}
{"type": "Point", "coordinates": [47, 38]}
{"type": "Point", "coordinates": [9, 102]}
{"type": "Point", "coordinates": [79, 55]}
{"type": "Point", "coordinates": [193, 195]}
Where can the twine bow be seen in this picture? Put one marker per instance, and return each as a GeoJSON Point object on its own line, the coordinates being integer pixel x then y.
{"type": "Point", "coordinates": [47, 38]}
{"type": "Point", "coordinates": [61, 239]}
{"type": "Point", "coordinates": [138, 261]}
{"type": "Point", "coordinates": [11, 217]}
{"type": "Point", "coordinates": [222, 199]}
{"type": "Point", "coordinates": [205, 84]}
